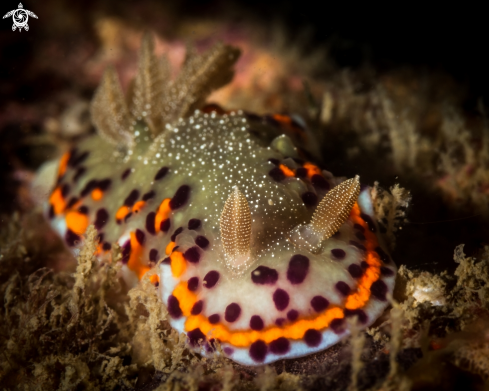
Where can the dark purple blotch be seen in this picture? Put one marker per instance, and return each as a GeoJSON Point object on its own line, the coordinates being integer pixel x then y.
{"type": "Point", "coordinates": [232, 313]}
{"type": "Point", "coordinates": [192, 254]}
{"type": "Point", "coordinates": [319, 303]}
{"type": "Point", "coordinates": [258, 351]}
{"type": "Point", "coordinates": [161, 173]}
{"type": "Point", "coordinates": [101, 218]}
{"type": "Point", "coordinates": [131, 198]}
{"type": "Point", "coordinates": [194, 224]}
{"type": "Point", "coordinates": [153, 255]}
{"type": "Point", "coordinates": [338, 254]}
{"type": "Point", "coordinates": [312, 338]}
{"type": "Point", "coordinates": [309, 198]}
{"type": "Point", "coordinates": [211, 278]}
{"type": "Point", "coordinates": [150, 223]}
{"type": "Point", "coordinates": [256, 323]}
{"type": "Point", "coordinates": [277, 174]}
{"type": "Point", "coordinates": [195, 336]}
{"type": "Point", "coordinates": [140, 236]}
{"type": "Point", "coordinates": [213, 319]}
{"type": "Point", "coordinates": [343, 288]}
{"type": "Point", "coordinates": [177, 232]}
{"type": "Point", "coordinates": [280, 346]}
{"type": "Point", "coordinates": [193, 284]}
{"type": "Point", "coordinates": [202, 242]}
{"type": "Point", "coordinates": [298, 268]}
{"type": "Point", "coordinates": [292, 315]}
{"type": "Point", "coordinates": [264, 275]}
{"type": "Point", "coordinates": [174, 307]}
{"type": "Point", "coordinates": [379, 290]}
{"type": "Point", "coordinates": [180, 198]}
{"type": "Point", "coordinates": [355, 270]}
{"type": "Point", "coordinates": [281, 299]}
{"type": "Point", "coordinates": [197, 308]}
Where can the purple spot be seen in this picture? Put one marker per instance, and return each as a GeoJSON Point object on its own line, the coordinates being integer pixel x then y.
{"type": "Point", "coordinates": [362, 316]}
{"type": "Point", "coordinates": [153, 255]}
{"type": "Point", "coordinates": [161, 173]}
{"type": "Point", "coordinates": [357, 245]}
{"type": "Point", "coordinates": [106, 246]}
{"type": "Point", "coordinates": [166, 261]}
{"type": "Point", "coordinates": [149, 195]}
{"type": "Point", "coordinates": [150, 223]}
{"type": "Point", "coordinates": [192, 254]}
{"type": "Point", "coordinates": [309, 198]}
{"type": "Point", "coordinates": [228, 350]}
{"type": "Point", "coordinates": [385, 271]}
{"type": "Point", "coordinates": [88, 187]}
{"type": "Point", "coordinates": [140, 236]}
{"type": "Point", "coordinates": [78, 160]}
{"type": "Point", "coordinates": [280, 321]}
{"type": "Point", "coordinates": [379, 290]}
{"type": "Point", "coordinates": [174, 307]}
{"type": "Point", "coordinates": [194, 224]}
{"type": "Point", "coordinates": [360, 236]}
{"type": "Point", "coordinates": [193, 284]}
{"type": "Point", "coordinates": [258, 351]}
{"type": "Point", "coordinates": [126, 251]}
{"type": "Point", "coordinates": [277, 174]}
{"type": "Point", "coordinates": [51, 212]}
{"type": "Point", "coordinates": [256, 323]}
{"type": "Point", "coordinates": [180, 198]}
{"type": "Point", "coordinates": [338, 254]}
{"type": "Point", "coordinates": [301, 172]}
{"type": "Point", "coordinates": [274, 161]}
{"type": "Point", "coordinates": [177, 232]}
{"type": "Point", "coordinates": [281, 299]}
{"type": "Point", "coordinates": [131, 198]}
{"type": "Point", "coordinates": [364, 265]}
{"type": "Point", "coordinates": [202, 242]}
{"type": "Point", "coordinates": [312, 338]}
{"type": "Point", "coordinates": [343, 288]}
{"type": "Point", "coordinates": [355, 270]}
{"type": "Point", "coordinates": [298, 268]}
{"type": "Point", "coordinates": [319, 182]}
{"type": "Point", "coordinates": [292, 315]}
{"type": "Point", "coordinates": [165, 225]}
{"type": "Point", "coordinates": [211, 278]}
{"type": "Point", "coordinates": [104, 184]}
{"type": "Point", "coordinates": [71, 237]}
{"type": "Point", "coordinates": [72, 202]}
{"type": "Point", "coordinates": [195, 336]}
{"type": "Point", "coordinates": [65, 189]}
{"type": "Point", "coordinates": [337, 325]}
{"type": "Point", "coordinates": [213, 319]}
{"type": "Point", "coordinates": [101, 218]}
{"type": "Point", "coordinates": [319, 303]}
{"type": "Point", "coordinates": [280, 346]}
{"type": "Point", "coordinates": [359, 227]}
{"type": "Point", "coordinates": [128, 216]}
{"type": "Point", "coordinates": [78, 173]}
{"type": "Point", "coordinates": [233, 311]}
{"type": "Point", "coordinates": [197, 308]}
{"type": "Point", "coordinates": [83, 210]}
{"type": "Point", "coordinates": [126, 173]}
{"type": "Point", "coordinates": [369, 221]}
{"type": "Point", "coordinates": [383, 255]}
{"type": "Point", "coordinates": [264, 275]}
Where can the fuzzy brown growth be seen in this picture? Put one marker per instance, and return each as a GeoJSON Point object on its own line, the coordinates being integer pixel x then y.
{"type": "Point", "coordinates": [109, 111]}
{"type": "Point", "coordinates": [235, 226]}
{"type": "Point", "coordinates": [335, 207]}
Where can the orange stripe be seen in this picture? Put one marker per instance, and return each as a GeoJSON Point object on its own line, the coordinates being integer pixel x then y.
{"type": "Point", "coordinates": [312, 169]}
{"type": "Point", "coordinates": [286, 170]}
{"type": "Point", "coordinates": [138, 206]}
{"type": "Point", "coordinates": [178, 264]}
{"type": "Point", "coordinates": [77, 222]}
{"type": "Point", "coordinates": [57, 201]}
{"type": "Point", "coordinates": [63, 164]}
{"type": "Point", "coordinates": [122, 212]}
{"type": "Point", "coordinates": [162, 214]}
{"type": "Point", "coordinates": [136, 262]}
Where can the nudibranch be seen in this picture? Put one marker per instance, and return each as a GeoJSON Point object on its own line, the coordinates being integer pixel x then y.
{"type": "Point", "coordinates": [255, 246]}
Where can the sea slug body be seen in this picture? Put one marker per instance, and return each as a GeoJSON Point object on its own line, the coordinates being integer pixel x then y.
{"type": "Point", "coordinates": [255, 246]}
